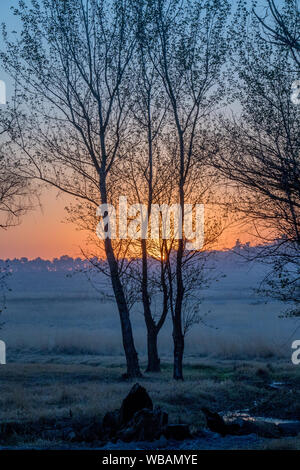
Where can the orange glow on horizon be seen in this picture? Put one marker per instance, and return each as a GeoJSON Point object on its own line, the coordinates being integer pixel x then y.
{"type": "Point", "coordinates": [45, 233]}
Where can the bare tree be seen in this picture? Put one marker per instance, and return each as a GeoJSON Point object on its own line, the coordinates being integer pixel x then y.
{"type": "Point", "coordinates": [14, 199]}
{"type": "Point", "coordinates": [260, 148]}
{"type": "Point", "coordinates": [284, 28]}
{"type": "Point", "coordinates": [75, 66]}
{"type": "Point", "coordinates": [161, 251]}
{"type": "Point", "coordinates": [71, 66]}
{"type": "Point", "coordinates": [148, 176]}
{"type": "Point", "coordinates": [187, 46]}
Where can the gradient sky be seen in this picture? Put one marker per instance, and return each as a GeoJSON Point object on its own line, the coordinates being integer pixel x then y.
{"type": "Point", "coordinates": [42, 231]}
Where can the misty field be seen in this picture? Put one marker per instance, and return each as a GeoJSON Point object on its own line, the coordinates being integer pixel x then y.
{"type": "Point", "coordinates": [65, 360]}
{"type": "Point", "coordinates": [55, 316]}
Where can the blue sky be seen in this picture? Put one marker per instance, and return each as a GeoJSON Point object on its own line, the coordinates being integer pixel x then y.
{"type": "Point", "coordinates": [6, 16]}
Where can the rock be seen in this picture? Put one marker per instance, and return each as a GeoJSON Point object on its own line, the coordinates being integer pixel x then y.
{"type": "Point", "coordinates": [161, 443]}
{"type": "Point", "coordinates": [127, 434]}
{"type": "Point", "coordinates": [68, 434]}
{"type": "Point", "coordinates": [111, 423]}
{"type": "Point", "coordinates": [217, 424]}
{"type": "Point", "coordinates": [264, 427]}
{"type": "Point", "coordinates": [260, 428]}
{"type": "Point", "coordinates": [136, 400]}
{"type": "Point", "coordinates": [91, 433]}
{"type": "Point", "coordinates": [255, 426]}
{"type": "Point", "coordinates": [179, 432]}
{"type": "Point", "coordinates": [146, 425]}
{"type": "Point", "coordinates": [136, 419]}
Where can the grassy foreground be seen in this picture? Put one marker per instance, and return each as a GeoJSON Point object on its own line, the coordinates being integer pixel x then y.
{"type": "Point", "coordinates": [30, 392]}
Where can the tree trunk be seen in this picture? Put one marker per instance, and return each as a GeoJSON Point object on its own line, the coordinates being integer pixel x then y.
{"type": "Point", "coordinates": [152, 329]}
{"type": "Point", "coordinates": [178, 335]}
{"type": "Point", "coordinates": [178, 339]}
{"type": "Point", "coordinates": [153, 358]}
{"type": "Point", "coordinates": [133, 368]}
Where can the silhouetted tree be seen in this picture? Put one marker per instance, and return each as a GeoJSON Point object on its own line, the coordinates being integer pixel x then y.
{"type": "Point", "coordinates": [186, 44]}
{"type": "Point", "coordinates": [71, 67]}
{"type": "Point", "coordinates": [260, 146]}
{"type": "Point", "coordinates": [13, 186]}
{"type": "Point", "coordinates": [284, 26]}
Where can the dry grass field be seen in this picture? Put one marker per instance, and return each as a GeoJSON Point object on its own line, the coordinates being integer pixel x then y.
{"type": "Point", "coordinates": [35, 392]}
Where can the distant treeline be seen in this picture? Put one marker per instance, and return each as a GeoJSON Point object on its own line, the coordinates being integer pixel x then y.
{"type": "Point", "coordinates": [66, 263]}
